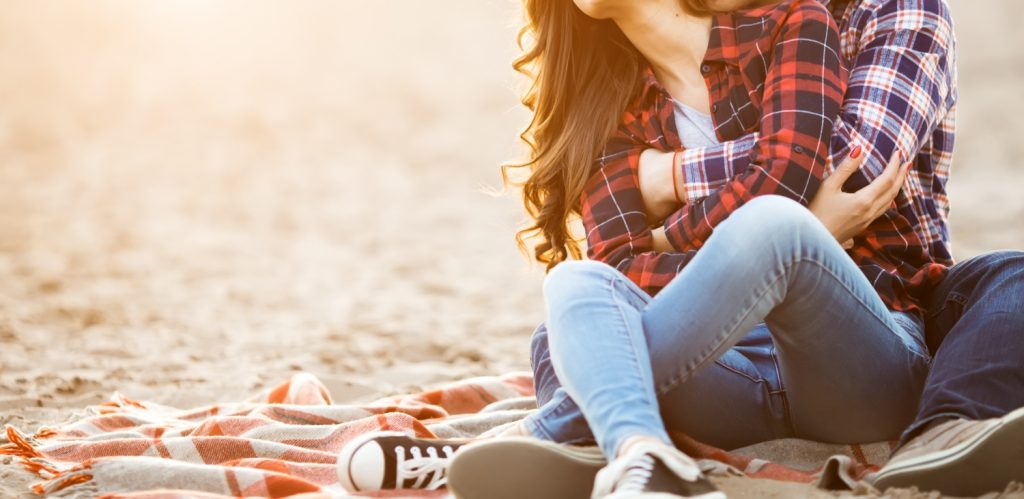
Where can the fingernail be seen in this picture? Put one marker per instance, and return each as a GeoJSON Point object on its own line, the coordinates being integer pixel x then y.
{"type": "Point", "coordinates": [857, 152]}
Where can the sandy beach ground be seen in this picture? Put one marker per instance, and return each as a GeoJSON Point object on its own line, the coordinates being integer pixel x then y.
{"type": "Point", "coordinates": [198, 197]}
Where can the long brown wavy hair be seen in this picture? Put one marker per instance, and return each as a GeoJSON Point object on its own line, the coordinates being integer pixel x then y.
{"type": "Point", "coordinates": [583, 73]}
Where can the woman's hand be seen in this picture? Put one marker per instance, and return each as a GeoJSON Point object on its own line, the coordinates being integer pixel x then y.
{"type": "Point", "coordinates": [845, 214]}
{"type": "Point", "coordinates": [661, 244]}
{"type": "Point", "coordinates": [657, 184]}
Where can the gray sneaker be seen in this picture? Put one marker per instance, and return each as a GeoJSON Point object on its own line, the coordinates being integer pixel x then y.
{"type": "Point", "coordinates": [960, 457]}
{"type": "Point", "coordinates": [521, 467]}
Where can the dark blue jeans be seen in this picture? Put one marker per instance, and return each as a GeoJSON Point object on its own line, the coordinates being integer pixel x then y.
{"type": "Point", "coordinates": [975, 331]}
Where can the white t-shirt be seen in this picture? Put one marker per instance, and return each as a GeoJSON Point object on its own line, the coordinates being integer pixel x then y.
{"type": "Point", "coordinates": [696, 129]}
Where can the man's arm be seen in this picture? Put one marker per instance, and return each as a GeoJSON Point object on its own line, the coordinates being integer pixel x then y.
{"type": "Point", "coordinates": [900, 82]}
{"type": "Point", "coordinates": [802, 93]}
{"type": "Point", "coordinates": [670, 179]}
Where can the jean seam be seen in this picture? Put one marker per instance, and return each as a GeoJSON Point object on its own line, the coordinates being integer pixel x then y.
{"type": "Point", "coordinates": [787, 413]}
{"type": "Point", "coordinates": [558, 409]}
{"type": "Point", "coordinates": [951, 298]}
{"type": "Point", "coordinates": [741, 373]}
{"type": "Point", "coordinates": [916, 426]}
{"type": "Point", "coordinates": [958, 298]}
{"type": "Point", "coordinates": [653, 405]}
{"type": "Point", "coordinates": [680, 376]}
{"type": "Point", "coordinates": [629, 285]}
{"type": "Point", "coordinates": [937, 311]}
{"type": "Point", "coordinates": [536, 425]}
{"type": "Point", "coordinates": [622, 316]}
{"type": "Point", "coordinates": [775, 363]}
{"type": "Point", "coordinates": [870, 309]}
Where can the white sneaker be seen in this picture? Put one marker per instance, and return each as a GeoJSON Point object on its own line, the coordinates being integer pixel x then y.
{"type": "Point", "coordinates": [651, 470]}
{"type": "Point", "coordinates": [393, 460]}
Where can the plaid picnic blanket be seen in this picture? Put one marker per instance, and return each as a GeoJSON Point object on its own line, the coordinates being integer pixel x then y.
{"type": "Point", "coordinates": [284, 443]}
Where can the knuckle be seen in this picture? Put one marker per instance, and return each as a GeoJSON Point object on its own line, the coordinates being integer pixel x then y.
{"type": "Point", "coordinates": [862, 205]}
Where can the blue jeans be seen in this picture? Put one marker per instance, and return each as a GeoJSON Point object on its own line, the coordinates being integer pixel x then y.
{"type": "Point", "coordinates": [770, 331]}
{"type": "Point", "coordinates": [975, 327]}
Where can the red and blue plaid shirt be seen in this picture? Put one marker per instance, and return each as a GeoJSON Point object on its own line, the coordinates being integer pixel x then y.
{"type": "Point", "coordinates": [777, 86]}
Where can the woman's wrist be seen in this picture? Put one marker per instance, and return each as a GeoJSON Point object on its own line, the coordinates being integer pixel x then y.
{"type": "Point", "coordinates": [677, 189]}
{"type": "Point", "coordinates": [657, 177]}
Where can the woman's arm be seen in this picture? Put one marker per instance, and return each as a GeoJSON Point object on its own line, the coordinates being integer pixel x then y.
{"type": "Point", "coordinates": [844, 214]}
{"type": "Point", "coordinates": [617, 229]}
{"type": "Point", "coordinates": [904, 41]}
{"type": "Point", "coordinates": [614, 216]}
{"type": "Point", "coordinates": [696, 173]}
{"type": "Point", "coordinates": [802, 93]}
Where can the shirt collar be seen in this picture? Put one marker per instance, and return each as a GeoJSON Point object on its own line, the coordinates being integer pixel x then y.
{"type": "Point", "coordinates": [733, 32]}
{"type": "Point", "coordinates": [722, 46]}
{"type": "Point", "coordinates": [650, 84]}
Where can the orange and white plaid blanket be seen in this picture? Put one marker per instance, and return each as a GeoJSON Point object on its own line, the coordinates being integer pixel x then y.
{"type": "Point", "coordinates": [284, 443]}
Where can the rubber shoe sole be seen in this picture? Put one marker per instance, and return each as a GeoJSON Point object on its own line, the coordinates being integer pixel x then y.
{"type": "Point", "coordinates": [522, 467]}
{"type": "Point", "coordinates": [985, 463]}
{"type": "Point", "coordinates": [344, 463]}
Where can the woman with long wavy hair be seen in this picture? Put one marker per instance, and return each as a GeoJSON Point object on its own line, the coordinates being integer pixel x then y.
{"type": "Point", "coordinates": [733, 318]}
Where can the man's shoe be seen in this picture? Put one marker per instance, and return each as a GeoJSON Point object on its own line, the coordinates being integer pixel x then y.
{"type": "Point", "coordinates": [653, 471]}
{"type": "Point", "coordinates": [392, 460]}
{"type": "Point", "coordinates": [960, 457]}
{"type": "Point", "coordinates": [523, 467]}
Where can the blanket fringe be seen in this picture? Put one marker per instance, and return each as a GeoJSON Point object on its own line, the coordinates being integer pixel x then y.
{"type": "Point", "coordinates": [19, 445]}
{"type": "Point", "coordinates": [79, 477]}
{"type": "Point", "coordinates": [27, 455]}
{"type": "Point", "coordinates": [119, 403]}
{"type": "Point", "coordinates": [45, 432]}
{"type": "Point", "coordinates": [56, 480]}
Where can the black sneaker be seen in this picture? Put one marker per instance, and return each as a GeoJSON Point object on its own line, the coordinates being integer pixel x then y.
{"type": "Point", "coordinates": [392, 460]}
{"type": "Point", "coordinates": [523, 467]}
{"type": "Point", "coordinates": [653, 471]}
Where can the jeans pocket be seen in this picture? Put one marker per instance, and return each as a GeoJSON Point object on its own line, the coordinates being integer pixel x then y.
{"type": "Point", "coordinates": [741, 365]}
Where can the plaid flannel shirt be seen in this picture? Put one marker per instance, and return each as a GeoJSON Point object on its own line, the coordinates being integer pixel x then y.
{"type": "Point", "coordinates": [901, 96]}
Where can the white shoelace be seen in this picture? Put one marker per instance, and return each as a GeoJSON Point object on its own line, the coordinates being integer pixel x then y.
{"type": "Point", "coordinates": [632, 472]}
{"type": "Point", "coordinates": [420, 467]}
{"type": "Point", "coordinates": [637, 475]}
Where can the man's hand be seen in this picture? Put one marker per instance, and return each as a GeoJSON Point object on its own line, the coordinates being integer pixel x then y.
{"type": "Point", "coordinates": [845, 214]}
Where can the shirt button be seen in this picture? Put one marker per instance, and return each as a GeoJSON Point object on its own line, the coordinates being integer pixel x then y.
{"type": "Point", "coordinates": [799, 150]}
{"type": "Point", "coordinates": [714, 108]}
{"type": "Point", "coordinates": [706, 68]}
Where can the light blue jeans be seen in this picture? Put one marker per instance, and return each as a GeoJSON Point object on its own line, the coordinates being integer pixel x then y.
{"type": "Point", "coordinates": [771, 331]}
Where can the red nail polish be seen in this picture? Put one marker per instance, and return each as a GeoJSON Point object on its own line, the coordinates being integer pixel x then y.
{"type": "Point", "coordinates": [857, 152]}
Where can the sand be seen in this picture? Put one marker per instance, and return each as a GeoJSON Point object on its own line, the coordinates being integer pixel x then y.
{"type": "Point", "coordinates": [199, 197]}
